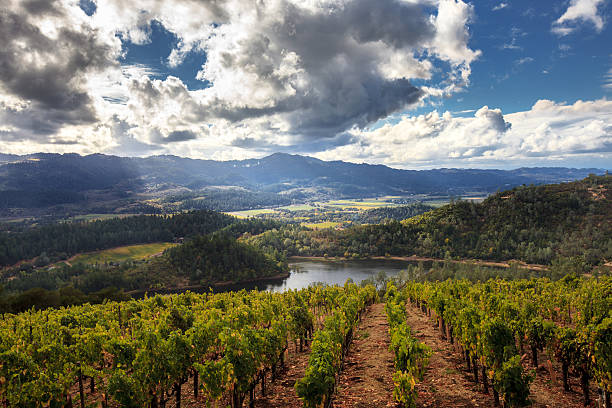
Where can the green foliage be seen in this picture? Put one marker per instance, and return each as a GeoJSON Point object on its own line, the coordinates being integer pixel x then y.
{"type": "Point", "coordinates": [602, 353]}
{"type": "Point", "coordinates": [404, 391]}
{"type": "Point", "coordinates": [513, 383]}
{"type": "Point", "coordinates": [216, 377]}
{"type": "Point", "coordinates": [536, 224]}
{"type": "Point", "coordinates": [61, 240]}
{"type": "Point", "coordinates": [201, 260]}
{"type": "Point", "coordinates": [411, 356]}
{"type": "Point", "coordinates": [141, 350]}
{"type": "Point", "coordinates": [220, 257]}
{"type": "Point", "coordinates": [330, 345]}
{"type": "Point", "coordinates": [569, 317]}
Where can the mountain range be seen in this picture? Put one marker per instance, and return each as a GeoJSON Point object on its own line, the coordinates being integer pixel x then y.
{"type": "Point", "coordinates": [124, 184]}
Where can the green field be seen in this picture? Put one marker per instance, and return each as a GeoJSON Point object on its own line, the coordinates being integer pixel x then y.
{"type": "Point", "coordinates": [298, 207]}
{"type": "Point", "coordinates": [122, 254]}
{"type": "Point", "coordinates": [250, 213]}
{"type": "Point", "coordinates": [320, 225]}
{"type": "Point", "coordinates": [364, 204]}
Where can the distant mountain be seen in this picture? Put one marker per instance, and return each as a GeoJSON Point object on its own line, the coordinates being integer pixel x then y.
{"type": "Point", "coordinates": [125, 181]}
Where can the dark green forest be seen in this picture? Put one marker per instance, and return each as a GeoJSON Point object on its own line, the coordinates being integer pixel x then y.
{"type": "Point", "coordinates": [348, 215]}
{"type": "Point", "coordinates": [535, 224]}
{"type": "Point", "coordinates": [382, 214]}
{"type": "Point", "coordinates": [203, 260]}
{"type": "Point", "coordinates": [217, 257]}
{"type": "Point", "coordinates": [228, 200]}
{"type": "Point", "coordinates": [58, 241]}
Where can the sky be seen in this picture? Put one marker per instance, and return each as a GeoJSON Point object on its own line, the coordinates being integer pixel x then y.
{"type": "Point", "coordinates": [405, 83]}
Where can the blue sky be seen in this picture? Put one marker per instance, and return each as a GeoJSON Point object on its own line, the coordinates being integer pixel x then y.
{"type": "Point", "coordinates": [522, 59]}
{"type": "Point", "coordinates": [407, 83]}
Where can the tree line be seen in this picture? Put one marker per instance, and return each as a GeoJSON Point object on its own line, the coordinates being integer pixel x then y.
{"type": "Point", "coordinates": [536, 224]}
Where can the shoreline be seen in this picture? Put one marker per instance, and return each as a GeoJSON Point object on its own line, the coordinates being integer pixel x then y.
{"type": "Point", "coordinates": [414, 258]}
{"type": "Point", "coordinates": [213, 286]}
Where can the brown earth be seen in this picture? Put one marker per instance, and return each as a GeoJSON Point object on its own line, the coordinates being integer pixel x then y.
{"type": "Point", "coordinates": [367, 378]}
{"type": "Point", "coordinates": [281, 393]}
{"type": "Point", "coordinates": [448, 383]}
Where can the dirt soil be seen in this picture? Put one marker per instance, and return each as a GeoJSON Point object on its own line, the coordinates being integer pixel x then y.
{"type": "Point", "coordinates": [281, 393]}
{"type": "Point", "coordinates": [367, 378]}
{"type": "Point", "coordinates": [448, 383]}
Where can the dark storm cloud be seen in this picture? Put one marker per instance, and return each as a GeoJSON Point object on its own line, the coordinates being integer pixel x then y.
{"type": "Point", "coordinates": [48, 72]}
{"type": "Point", "coordinates": [180, 136]}
{"type": "Point", "coordinates": [38, 7]}
{"type": "Point", "coordinates": [340, 52]}
{"type": "Point", "coordinates": [399, 24]}
{"type": "Point", "coordinates": [158, 137]}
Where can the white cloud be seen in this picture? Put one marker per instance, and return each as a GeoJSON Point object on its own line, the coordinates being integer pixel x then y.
{"type": "Point", "coordinates": [282, 72]}
{"type": "Point", "coordinates": [452, 35]}
{"type": "Point", "coordinates": [523, 61]}
{"type": "Point", "coordinates": [549, 132]}
{"type": "Point", "coordinates": [579, 11]}
{"type": "Point", "coordinates": [500, 6]}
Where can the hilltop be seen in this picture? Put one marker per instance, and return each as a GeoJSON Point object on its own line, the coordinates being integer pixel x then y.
{"type": "Point", "coordinates": [535, 224]}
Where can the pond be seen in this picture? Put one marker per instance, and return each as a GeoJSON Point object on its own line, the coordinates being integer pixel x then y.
{"type": "Point", "coordinates": [305, 272]}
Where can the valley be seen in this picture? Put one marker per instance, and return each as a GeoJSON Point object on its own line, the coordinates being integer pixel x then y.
{"type": "Point", "coordinates": [305, 204]}
{"type": "Point", "coordinates": [316, 291]}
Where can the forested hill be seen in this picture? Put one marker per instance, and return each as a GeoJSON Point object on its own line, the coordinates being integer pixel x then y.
{"type": "Point", "coordinates": [535, 224]}
{"type": "Point", "coordinates": [53, 242]}
{"type": "Point", "coordinates": [73, 184]}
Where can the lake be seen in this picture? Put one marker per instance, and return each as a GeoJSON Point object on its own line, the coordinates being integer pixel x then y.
{"type": "Point", "coordinates": [306, 272]}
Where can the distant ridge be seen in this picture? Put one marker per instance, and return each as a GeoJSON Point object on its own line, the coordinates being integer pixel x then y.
{"type": "Point", "coordinates": [60, 176]}
{"type": "Point", "coordinates": [73, 172]}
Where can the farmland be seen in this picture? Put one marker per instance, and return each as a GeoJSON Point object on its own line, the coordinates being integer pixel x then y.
{"type": "Point", "coordinates": [122, 254]}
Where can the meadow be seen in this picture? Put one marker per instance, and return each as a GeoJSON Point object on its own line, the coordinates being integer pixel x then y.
{"type": "Point", "coordinates": [122, 254]}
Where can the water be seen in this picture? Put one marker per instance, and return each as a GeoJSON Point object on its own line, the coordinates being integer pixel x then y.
{"type": "Point", "coordinates": [306, 272]}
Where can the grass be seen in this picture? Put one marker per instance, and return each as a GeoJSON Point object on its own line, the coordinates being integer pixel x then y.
{"type": "Point", "coordinates": [122, 254]}
{"type": "Point", "coordinates": [361, 204]}
{"type": "Point", "coordinates": [320, 225]}
{"type": "Point", "coordinates": [298, 207]}
{"type": "Point", "coordinates": [250, 213]}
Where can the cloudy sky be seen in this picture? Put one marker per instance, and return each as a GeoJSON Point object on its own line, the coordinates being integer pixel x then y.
{"type": "Point", "coordinates": [407, 83]}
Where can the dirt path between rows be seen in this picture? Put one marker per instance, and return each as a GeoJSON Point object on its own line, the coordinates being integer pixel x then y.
{"type": "Point", "coordinates": [367, 378]}
{"type": "Point", "coordinates": [446, 383]}
{"type": "Point", "coordinates": [281, 393]}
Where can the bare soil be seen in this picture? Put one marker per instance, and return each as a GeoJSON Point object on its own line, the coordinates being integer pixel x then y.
{"type": "Point", "coordinates": [281, 393]}
{"type": "Point", "coordinates": [448, 383]}
{"type": "Point", "coordinates": [367, 378]}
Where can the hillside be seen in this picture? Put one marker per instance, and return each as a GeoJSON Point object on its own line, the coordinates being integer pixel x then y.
{"type": "Point", "coordinates": [536, 224]}
{"type": "Point", "coordinates": [203, 261]}
{"type": "Point", "coordinates": [68, 184]}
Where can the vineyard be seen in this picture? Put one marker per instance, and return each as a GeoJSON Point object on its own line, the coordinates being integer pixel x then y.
{"type": "Point", "coordinates": [141, 353]}
{"type": "Point", "coordinates": [497, 324]}
{"type": "Point", "coordinates": [232, 349]}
